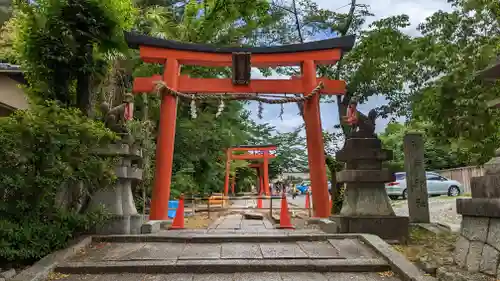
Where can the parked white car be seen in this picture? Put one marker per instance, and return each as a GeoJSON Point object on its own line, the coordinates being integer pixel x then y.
{"type": "Point", "coordinates": [436, 185]}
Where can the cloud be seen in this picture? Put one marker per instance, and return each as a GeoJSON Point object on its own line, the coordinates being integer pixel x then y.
{"type": "Point", "coordinates": [417, 10]}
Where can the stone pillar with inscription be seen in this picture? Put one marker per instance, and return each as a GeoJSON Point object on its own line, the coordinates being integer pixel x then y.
{"type": "Point", "coordinates": [366, 207]}
{"type": "Point", "coordinates": [416, 182]}
{"type": "Point", "coordinates": [478, 246]}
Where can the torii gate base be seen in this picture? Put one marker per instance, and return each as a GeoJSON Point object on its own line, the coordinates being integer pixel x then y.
{"type": "Point", "coordinates": [173, 54]}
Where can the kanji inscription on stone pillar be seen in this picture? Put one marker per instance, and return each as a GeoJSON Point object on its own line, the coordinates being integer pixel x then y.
{"type": "Point", "coordinates": [416, 182]}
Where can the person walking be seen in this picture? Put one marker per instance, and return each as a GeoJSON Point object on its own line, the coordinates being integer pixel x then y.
{"type": "Point", "coordinates": [295, 192]}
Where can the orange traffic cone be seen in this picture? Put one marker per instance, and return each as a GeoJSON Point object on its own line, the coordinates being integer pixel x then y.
{"type": "Point", "coordinates": [285, 221]}
{"type": "Point", "coordinates": [178, 222]}
{"type": "Point", "coordinates": [259, 202]}
{"type": "Point", "coordinates": [308, 201]}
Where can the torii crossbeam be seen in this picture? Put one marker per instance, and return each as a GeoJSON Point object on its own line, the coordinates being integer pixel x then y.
{"type": "Point", "coordinates": [174, 54]}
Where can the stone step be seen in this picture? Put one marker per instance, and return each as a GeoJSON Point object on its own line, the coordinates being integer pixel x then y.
{"type": "Point", "coordinates": [225, 236]}
{"type": "Point", "coordinates": [224, 266]}
{"type": "Point", "coordinates": [168, 251]}
{"type": "Point", "coordinates": [243, 276]}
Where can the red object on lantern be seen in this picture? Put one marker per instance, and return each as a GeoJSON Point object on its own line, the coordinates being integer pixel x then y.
{"type": "Point", "coordinates": [352, 116]}
{"type": "Point", "coordinates": [128, 114]}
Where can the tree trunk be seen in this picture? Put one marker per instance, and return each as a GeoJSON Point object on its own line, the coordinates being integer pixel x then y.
{"type": "Point", "coordinates": [336, 190]}
{"type": "Point", "coordinates": [145, 161]}
{"type": "Point", "coordinates": [83, 86]}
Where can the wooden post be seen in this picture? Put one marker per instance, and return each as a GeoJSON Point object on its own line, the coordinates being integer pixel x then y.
{"type": "Point", "coordinates": [315, 145]}
{"type": "Point", "coordinates": [208, 206]}
{"type": "Point", "coordinates": [310, 207]}
{"type": "Point", "coordinates": [165, 145]}
{"type": "Point", "coordinates": [193, 202]}
{"type": "Point", "coordinates": [416, 182]}
{"type": "Point", "coordinates": [271, 205]}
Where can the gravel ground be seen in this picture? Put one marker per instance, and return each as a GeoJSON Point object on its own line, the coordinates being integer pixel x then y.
{"type": "Point", "coordinates": [442, 210]}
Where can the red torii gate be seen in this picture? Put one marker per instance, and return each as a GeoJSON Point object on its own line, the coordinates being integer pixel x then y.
{"type": "Point", "coordinates": [173, 54]}
{"type": "Point", "coordinates": [258, 168]}
{"type": "Point", "coordinates": [263, 153]}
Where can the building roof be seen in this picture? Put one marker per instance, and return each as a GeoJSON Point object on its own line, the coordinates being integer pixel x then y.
{"type": "Point", "coordinates": [10, 68]}
{"type": "Point", "coordinates": [13, 71]}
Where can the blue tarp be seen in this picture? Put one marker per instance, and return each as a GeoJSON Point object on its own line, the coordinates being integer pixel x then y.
{"type": "Point", "coordinates": [172, 208]}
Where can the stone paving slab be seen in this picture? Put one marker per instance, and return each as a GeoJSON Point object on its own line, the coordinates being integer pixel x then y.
{"type": "Point", "coordinates": [319, 249]}
{"type": "Point", "coordinates": [282, 250]}
{"type": "Point", "coordinates": [156, 251]}
{"type": "Point", "coordinates": [352, 248]}
{"type": "Point", "coordinates": [332, 248]}
{"type": "Point", "coordinates": [261, 276]}
{"type": "Point", "coordinates": [201, 251]}
{"type": "Point", "coordinates": [241, 251]}
{"type": "Point", "coordinates": [225, 266]}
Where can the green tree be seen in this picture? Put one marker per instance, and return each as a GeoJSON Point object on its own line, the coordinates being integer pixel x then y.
{"type": "Point", "coordinates": [5, 10]}
{"type": "Point", "coordinates": [438, 155]}
{"type": "Point", "coordinates": [45, 152]}
{"type": "Point", "coordinates": [7, 33]}
{"type": "Point", "coordinates": [63, 55]}
{"type": "Point", "coordinates": [290, 148]}
{"type": "Point", "coordinates": [445, 90]}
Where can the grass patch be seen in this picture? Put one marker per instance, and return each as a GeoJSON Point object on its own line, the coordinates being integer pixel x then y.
{"type": "Point", "coordinates": [465, 195]}
{"type": "Point", "coordinates": [429, 247]}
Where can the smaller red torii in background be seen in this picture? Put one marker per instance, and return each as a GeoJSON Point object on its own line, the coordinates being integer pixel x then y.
{"type": "Point", "coordinates": [263, 152]}
{"type": "Point", "coordinates": [258, 169]}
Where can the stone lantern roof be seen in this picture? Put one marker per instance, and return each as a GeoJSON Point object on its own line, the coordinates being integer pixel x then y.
{"type": "Point", "coordinates": [492, 73]}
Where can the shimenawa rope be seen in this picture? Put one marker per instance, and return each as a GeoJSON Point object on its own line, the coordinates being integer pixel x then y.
{"type": "Point", "coordinates": [161, 86]}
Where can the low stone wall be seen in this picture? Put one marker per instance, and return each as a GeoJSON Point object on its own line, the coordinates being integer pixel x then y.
{"type": "Point", "coordinates": [478, 248]}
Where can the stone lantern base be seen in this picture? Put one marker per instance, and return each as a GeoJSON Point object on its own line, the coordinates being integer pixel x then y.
{"type": "Point", "coordinates": [389, 228]}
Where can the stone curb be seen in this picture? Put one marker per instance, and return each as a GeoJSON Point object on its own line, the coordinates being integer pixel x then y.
{"type": "Point", "coordinates": [399, 264]}
{"type": "Point", "coordinates": [226, 266]}
{"type": "Point", "coordinates": [434, 228]}
{"type": "Point", "coordinates": [41, 269]}
{"type": "Point", "coordinates": [151, 226]}
{"type": "Point", "coordinates": [219, 238]}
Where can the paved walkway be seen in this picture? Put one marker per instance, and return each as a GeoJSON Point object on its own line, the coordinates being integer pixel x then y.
{"type": "Point", "coordinates": [232, 248]}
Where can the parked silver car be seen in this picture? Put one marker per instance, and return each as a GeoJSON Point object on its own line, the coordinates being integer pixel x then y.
{"type": "Point", "coordinates": [436, 185]}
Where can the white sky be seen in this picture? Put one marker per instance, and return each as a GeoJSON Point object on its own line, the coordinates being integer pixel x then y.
{"type": "Point", "coordinates": [417, 10]}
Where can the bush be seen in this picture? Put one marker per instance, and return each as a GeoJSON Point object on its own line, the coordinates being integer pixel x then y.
{"type": "Point", "coordinates": [43, 152]}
